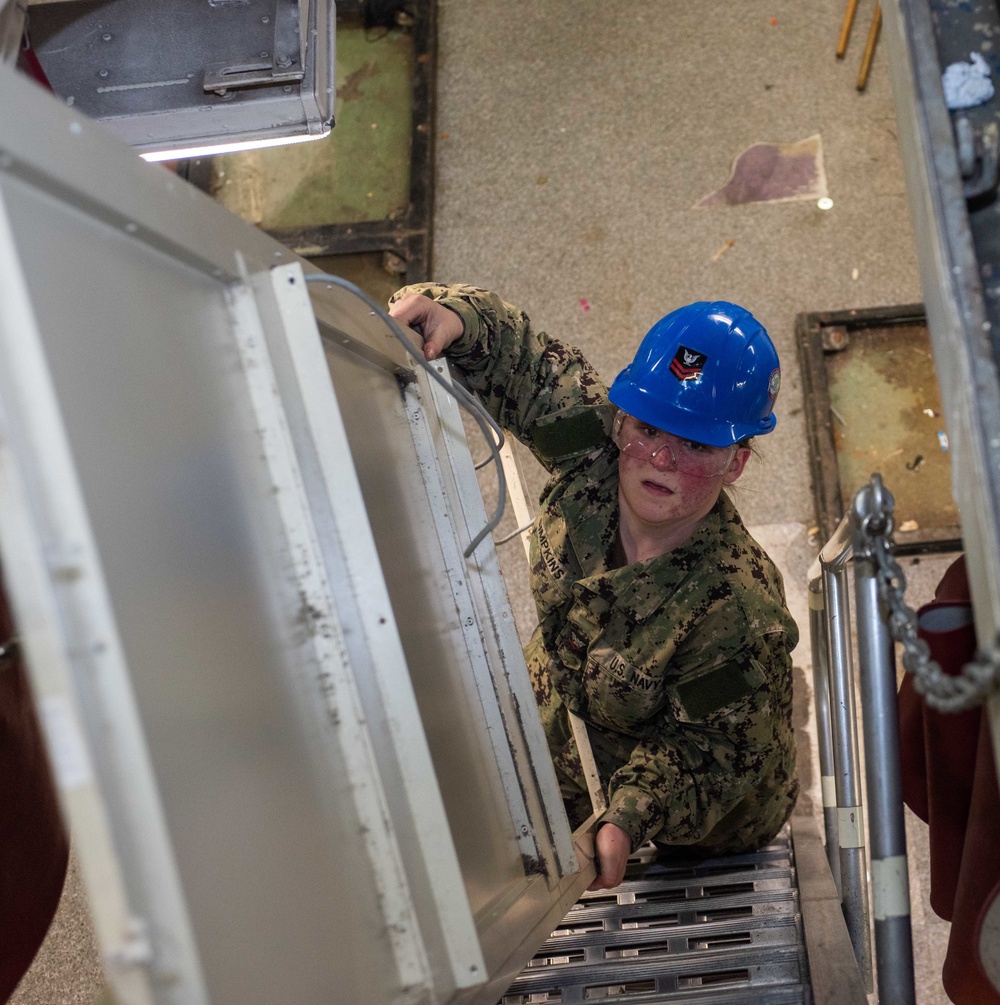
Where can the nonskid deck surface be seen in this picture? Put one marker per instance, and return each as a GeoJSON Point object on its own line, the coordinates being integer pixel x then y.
{"type": "Point", "coordinates": [723, 930]}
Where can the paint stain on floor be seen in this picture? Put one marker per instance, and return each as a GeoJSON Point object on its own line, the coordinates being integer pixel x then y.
{"type": "Point", "coordinates": [773, 172]}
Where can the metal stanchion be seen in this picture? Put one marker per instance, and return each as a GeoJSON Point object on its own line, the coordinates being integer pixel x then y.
{"type": "Point", "coordinates": [847, 777]}
{"type": "Point", "coordinates": [890, 884]}
{"type": "Point", "coordinates": [824, 740]}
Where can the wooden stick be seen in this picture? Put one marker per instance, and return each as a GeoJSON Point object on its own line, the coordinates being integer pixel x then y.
{"type": "Point", "coordinates": [866, 59]}
{"type": "Point", "coordinates": [845, 28]}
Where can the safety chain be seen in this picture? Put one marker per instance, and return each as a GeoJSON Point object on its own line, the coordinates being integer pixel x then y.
{"type": "Point", "coordinates": [872, 517]}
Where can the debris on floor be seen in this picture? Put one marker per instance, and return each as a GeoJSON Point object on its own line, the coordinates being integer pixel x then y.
{"type": "Point", "coordinates": [773, 172]}
{"type": "Point", "coordinates": [722, 250]}
{"type": "Point", "coordinates": [967, 84]}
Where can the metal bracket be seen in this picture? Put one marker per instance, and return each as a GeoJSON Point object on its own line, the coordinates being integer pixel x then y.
{"type": "Point", "coordinates": [978, 156]}
{"type": "Point", "coordinates": [283, 65]}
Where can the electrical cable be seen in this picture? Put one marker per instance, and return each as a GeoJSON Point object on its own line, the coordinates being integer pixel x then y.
{"type": "Point", "coordinates": [516, 533]}
{"type": "Point", "coordinates": [484, 420]}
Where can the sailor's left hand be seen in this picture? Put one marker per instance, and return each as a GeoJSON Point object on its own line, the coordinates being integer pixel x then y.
{"type": "Point", "coordinates": [612, 846]}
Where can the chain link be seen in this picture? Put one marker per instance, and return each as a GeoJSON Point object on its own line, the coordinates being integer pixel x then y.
{"type": "Point", "coordinates": [942, 692]}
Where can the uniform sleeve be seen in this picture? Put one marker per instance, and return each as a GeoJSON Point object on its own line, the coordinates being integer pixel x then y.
{"type": "Point", "coordinates": [699, 769]}
{"type": "Point", "coordinates": [541, 390]}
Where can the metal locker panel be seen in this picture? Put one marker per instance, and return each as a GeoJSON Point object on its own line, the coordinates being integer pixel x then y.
{"type": "Point", "coordinates": [294, 736]}
{"type": "Point", "coordinates": [157, 490]}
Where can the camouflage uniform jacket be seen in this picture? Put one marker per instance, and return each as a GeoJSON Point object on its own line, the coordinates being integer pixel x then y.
{"type": "Point", "coordinates": [680, 665]}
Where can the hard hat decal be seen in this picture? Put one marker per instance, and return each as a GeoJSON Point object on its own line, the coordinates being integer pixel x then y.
{"type": "Point", "coordinates": [773, 383]}
{"type": "Point", "coordinates": [687, 363]}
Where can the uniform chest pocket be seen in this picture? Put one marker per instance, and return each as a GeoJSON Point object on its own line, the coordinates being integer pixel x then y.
{"type": "Point", "coordinates": [620, 694]}
{"type": "Point", "coordinates": [719, 694]}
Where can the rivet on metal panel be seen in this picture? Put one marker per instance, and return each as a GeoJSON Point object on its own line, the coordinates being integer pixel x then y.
{"type": "Point", "coordinates": [102, 73]}
{"type": "Point", "coordinates": [265, 20]}
{"type": "Point", "coordinates": [106, 36]}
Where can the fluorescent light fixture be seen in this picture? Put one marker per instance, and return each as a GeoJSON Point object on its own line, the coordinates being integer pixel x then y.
{"type": "Point", "coordinates": [183, 153]}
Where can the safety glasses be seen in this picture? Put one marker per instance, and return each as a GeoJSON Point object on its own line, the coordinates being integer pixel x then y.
{"type": "Point", "coordinates": [664, 450]}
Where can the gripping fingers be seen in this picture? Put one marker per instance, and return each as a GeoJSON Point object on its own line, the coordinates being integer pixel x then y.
{"type": "Point", "coordinates": [437, 325]}
{"type": "Point", "coordinates": [613, 847]}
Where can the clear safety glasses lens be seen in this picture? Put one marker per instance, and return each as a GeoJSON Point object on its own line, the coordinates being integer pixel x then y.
{"type": "Point", "coordinates": [687, 456]}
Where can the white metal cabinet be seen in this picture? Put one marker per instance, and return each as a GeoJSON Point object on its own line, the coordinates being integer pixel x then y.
{"type": "Point", "coordinates": [291, 726]}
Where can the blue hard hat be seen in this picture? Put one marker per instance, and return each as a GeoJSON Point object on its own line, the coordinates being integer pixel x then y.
{"type": "Point", "coordinates": [707, 372]}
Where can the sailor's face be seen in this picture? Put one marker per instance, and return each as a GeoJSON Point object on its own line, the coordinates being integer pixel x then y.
{"type": "Point", "coordinates": [667, 481]}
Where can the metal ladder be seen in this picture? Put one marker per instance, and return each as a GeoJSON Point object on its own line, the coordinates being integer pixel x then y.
{"type": "Point", "coordinates": [712, 931]}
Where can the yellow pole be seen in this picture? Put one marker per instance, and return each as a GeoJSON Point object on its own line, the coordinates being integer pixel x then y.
{"type": "Point", "coordinates": [845, 28]}
{"type": "Point", "coordinates": [866, 59]}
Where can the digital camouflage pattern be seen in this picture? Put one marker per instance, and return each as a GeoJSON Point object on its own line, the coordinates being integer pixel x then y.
{"type": "Point", "coordinates": [679, 665]}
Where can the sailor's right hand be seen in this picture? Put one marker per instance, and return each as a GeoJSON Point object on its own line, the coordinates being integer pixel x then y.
{"type": "Point", "coordinates": [436, 324]}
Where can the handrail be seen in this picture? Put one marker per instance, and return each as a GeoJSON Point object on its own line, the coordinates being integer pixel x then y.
{"type": "Point", "coordinates": [877, 660]}
{"type": "Point", "coordinates": [837, 734]}
{"type": "Point", "coordinates": [833, 562]}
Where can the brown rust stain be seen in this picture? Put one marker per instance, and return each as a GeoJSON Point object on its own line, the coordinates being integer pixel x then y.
{"type": "Point", "coordinates": [350, 89]}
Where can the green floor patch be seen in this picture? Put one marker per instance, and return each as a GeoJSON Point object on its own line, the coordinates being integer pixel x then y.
{"type": "Point", "coordinates": [361, 171]}
{"type": "Point", "coordinates": [873, 404]}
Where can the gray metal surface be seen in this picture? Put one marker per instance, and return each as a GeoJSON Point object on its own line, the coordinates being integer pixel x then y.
{"type": "Point", "coordinates": [963, 321]}
{"type": "Point", "coordinates": [718, 930]}
{"type": "Point", "coordinates": [890, 884]}
{"type": "Point", "coordinates": [520, 867]}
{"type": "Point", "coordinates": [186, 73]}
{"type": "Point", "coordinates": [294, 768]}
{"type": "Point", "coordinates": [201, 696]}
{"type": "Point", "coordinates": [851, 837]}
{"type": "Point", "coordinates": [824, 738]}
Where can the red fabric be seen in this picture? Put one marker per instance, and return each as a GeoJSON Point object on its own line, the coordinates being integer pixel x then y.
{"type": "Point", "coordinates": [949, 781]}
{"type": "Point", "coordinates": [27, 62]}
{"type": "Point", "coordinates": [938, 753]}
{"type": "Point", "coordinates": [33, 845]}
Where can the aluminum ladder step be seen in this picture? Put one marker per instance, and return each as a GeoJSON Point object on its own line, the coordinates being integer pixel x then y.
{"type": "Point", "coordinates": [711, 932]}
